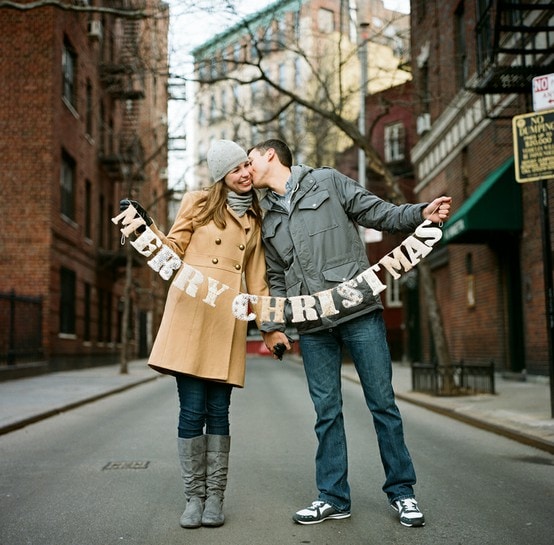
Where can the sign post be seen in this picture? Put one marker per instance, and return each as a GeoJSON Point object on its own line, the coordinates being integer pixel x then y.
{"type": "Point", "coordinates": [533, 136]}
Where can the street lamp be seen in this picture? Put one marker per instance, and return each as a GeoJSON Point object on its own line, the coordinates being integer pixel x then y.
{"type": "Point", "coordinates": [363, 37]}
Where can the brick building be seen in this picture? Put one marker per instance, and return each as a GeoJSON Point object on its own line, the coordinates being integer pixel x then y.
{"type": "Point", "coordinates": [305, 47]}
{"type": "Point", "coordinates": [473, 62]}
{"type": "Point", "coordinates": [391, 128]}
{"type": "Point", "coordinates": [83, 117]}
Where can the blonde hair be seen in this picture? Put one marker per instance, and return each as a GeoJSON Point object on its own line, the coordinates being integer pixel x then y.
{"type": "Point", "coordinates": [214, 204]}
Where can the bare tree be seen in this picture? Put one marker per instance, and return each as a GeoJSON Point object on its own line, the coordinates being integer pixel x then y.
{"type": "Point", "coordinates": [328, 95]}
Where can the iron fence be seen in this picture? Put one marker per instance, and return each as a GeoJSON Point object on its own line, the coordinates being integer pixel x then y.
{"type": "Point", "coordinates": [468, 379]}
{"type": "Point", "coordinates": [20, 329]}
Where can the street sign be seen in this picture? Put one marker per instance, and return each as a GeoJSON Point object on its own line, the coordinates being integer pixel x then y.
{"type": "Point", "coordinates": [533, 136]}
{"type": "Point", "coordinates": [543, 92]}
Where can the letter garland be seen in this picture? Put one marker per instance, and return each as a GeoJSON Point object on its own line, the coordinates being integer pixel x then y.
{"type": "Point", "coordinates": [304, 307]}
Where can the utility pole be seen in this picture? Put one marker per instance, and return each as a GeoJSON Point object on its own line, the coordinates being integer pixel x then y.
{"type": "Point", "coordinates": [363, 37]}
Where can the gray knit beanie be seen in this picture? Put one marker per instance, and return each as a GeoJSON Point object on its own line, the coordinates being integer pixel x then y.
{"type": "Point", "coordinates": [224, 156]}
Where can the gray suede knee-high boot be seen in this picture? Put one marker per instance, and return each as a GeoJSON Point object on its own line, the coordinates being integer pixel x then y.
{"type": "Point", "coordinates": [217, 465]}
{"type": "Point", "coordinates": [192, 455]}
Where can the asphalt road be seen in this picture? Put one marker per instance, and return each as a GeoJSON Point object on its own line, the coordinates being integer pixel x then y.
{"type": "Point", "coordinates": [107, 473]}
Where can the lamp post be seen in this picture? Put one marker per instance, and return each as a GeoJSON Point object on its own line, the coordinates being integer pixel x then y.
{"type": "Point", "coordinates": [363, 37]}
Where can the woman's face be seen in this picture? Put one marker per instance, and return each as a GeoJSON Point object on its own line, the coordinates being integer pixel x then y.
{"type": "Point", "coordinates": [239, 179]}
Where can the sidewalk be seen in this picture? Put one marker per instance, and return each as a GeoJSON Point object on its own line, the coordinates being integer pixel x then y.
{"type": "Point", "coordinates": [28, 400]}
{"type": "Point", "coordinates": [519, 410]}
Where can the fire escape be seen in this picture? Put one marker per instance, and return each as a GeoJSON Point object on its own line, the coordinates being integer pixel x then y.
{"type": "Point", "coordinates": [121, 156]}
{"type": "Point", "coordinates": [515, 43]}
{"type": "Point", "coordinates": [123, 80]}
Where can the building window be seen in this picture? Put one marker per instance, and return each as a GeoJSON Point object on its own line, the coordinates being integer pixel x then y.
{"type": "Point", "coordinates": [394, 142]}
{"type": "Point", "coordinates": [201, 117]}
{"type": "Point", "coordinates": [89, 109]}
{"type": "Point", "coordinates": [393, 293]}
{"type": "Point", "coordinates": [67, 186]}
{"type": "Point", "coordinates": [69, 64]}
{"type": "Point", "coordinates": [420, 9]}
{"type": "Point", "coordinates": [67, 301]}
{"type": "Point", "coordinates": [425, 93]}
{"type": "Point", "coordinates": [101, 221]}
{"type": "Point", "coordinates": [213, 108]}
{"type": "Point", "coordinates": [108, 333]}
{"type": "Point", "coordinates": [88, 209]}
{"type": "Point", "coordinates": [460, 61]}
{"type": "Point", "coordinates": [102, 130]}
{"type": "Point", "coordinates": [223, 100]}
{"type": "Point", "coordinates": [236, 98]}
{"type": "Point", "coordinates": [282, 75]}
{"type": "Point", "coordinates": [86, 313]}
{"type": "Point", "coordinates": [237, 54]}
{"type": "Point", "coordinates": [101, 317]}
{"type": "Point", "coordinates": [325, 20]}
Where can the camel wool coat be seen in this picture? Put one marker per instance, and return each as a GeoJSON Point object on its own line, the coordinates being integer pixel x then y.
{"type": "Point", "coordinates": [195, 337]}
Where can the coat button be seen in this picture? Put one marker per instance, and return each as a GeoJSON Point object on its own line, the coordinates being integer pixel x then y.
{"type": "Point", "coordinates": [215, 260]}
{"type": "Point", "coordinates": [218, 241]}
{"type": "Point", "coordinates": [241, 246]}
{"type": "Point", "coordinates": [237, 266]}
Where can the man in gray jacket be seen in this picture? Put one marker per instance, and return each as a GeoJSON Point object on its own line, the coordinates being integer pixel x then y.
{"type": "Point", "coordinates": [312, 244]}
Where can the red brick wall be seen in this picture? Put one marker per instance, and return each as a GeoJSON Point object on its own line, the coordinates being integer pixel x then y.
{"type": "Point", "coordinates": [481, 333]}
{"type": "Point", "coordinates": [36, 241]}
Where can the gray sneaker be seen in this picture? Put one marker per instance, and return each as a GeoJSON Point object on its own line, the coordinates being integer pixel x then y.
{"type": "Point", "coordinates": [318, 512]}
{"type": "Point", "coordinates": [409, 512]}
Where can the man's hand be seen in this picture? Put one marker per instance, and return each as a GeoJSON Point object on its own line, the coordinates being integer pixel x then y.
{"type": "Point", "coordinates": [277, 343]}
{"type": "Point", "coordinates": [438, 210]}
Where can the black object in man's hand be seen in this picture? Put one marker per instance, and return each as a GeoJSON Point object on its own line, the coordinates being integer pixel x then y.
{"type": "Point", "coordinates": [279, 350]}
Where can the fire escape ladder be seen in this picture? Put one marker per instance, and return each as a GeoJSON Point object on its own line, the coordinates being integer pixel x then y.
{"type": "Point", "coordinates": [515, 42]}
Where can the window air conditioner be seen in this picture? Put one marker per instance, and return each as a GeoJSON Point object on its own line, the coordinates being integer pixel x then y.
{"type": "Point", "coordinates": [423, 123]}
{"type": "Point", "coordinates": [95, 30]}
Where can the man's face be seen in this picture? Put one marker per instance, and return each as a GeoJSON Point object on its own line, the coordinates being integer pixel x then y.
{"type": "Point", "coordinates": [258, 168]}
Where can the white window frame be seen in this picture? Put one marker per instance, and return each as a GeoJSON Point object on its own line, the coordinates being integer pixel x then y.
{"type": "Point", "coordinates": [395, 142]}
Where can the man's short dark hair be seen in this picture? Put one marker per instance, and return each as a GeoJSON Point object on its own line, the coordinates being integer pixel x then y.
{"type": "Point", "coordinates": [281, 149]}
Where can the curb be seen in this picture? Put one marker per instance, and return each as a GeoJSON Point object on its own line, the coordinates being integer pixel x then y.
{"type": "Point", "coordinates": [504, 431]}
{"type": "Point", "coordinates": [58, 410]}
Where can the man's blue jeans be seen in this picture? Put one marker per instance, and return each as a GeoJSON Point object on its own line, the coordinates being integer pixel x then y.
{"type": "Point", "coordinates": [203, 403]}
{"type": "Point", "coordinates": [365, 338]}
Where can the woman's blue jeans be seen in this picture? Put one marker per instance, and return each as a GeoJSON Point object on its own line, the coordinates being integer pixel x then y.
{"type": "Point", "coordinates": [204, 407]}
{"type": "Point", "coordinates": [365, 338]}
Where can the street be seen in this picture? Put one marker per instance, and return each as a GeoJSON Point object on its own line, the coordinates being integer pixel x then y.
{"type": "Point", "coordinates": [107, 473]}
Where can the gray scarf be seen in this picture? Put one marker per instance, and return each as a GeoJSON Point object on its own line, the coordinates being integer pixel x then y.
{"type": "Point", "coordinates": [239, 203]}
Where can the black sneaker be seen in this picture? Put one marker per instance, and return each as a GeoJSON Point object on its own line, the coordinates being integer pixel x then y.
{"type": "Point", "coordinates": [318, 512]}
{"type": "Point", "coordinates": [409, 512]}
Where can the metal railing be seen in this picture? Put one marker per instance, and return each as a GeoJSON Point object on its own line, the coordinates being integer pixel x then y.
{"type": "Point", "coordinates": [20, 329]}
{"type": "Point", "coordinates": [468, 379]}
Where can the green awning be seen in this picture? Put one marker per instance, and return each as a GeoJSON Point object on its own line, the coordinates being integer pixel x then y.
{"type": "Point", "coordinates": [494, 208]}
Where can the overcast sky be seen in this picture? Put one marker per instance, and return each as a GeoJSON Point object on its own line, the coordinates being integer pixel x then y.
{"type": "Point", "coordinates": [192, 23]}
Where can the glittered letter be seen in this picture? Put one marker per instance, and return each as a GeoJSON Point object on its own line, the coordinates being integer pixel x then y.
{"type": "Point", "coordinates": [275, 312]}
{"type": "Point", "coordinates": [303, 308]}
{"type": "Point", "coordinates": [213, 292]}
{"type": "Point", "coordinates": [188, 280]}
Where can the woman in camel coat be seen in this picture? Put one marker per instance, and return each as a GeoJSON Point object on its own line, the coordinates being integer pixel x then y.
{"type": "Point", "coordinates": [217, 236]}
{"type": "Point", "coordinates": [197, 338]}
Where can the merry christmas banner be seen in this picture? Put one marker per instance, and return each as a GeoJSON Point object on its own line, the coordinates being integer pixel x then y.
{"type": "Point", "coordinates": [165, 262]}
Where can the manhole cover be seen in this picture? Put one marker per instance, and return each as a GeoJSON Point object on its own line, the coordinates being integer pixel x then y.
{"type": "Point", "coordinates": [126, 465]}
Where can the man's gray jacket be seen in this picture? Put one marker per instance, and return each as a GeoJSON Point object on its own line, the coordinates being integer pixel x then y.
{"type": "Point", "coordinates": [316, 246]}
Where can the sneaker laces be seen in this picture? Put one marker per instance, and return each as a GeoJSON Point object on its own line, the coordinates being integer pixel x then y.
{"type": "Point", "coordinates": [409, 504]}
